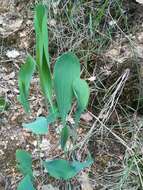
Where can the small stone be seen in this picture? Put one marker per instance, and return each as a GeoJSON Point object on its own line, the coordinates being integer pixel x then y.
{"type": "Point", "coordinates": [71, 120]}
{"type": "Point", "coordinates": [86, 117]}
{"type": "Point", "coordinates": [41, 154]}
{"type": "Point", "coordinates": [139, 1]}
{"type": "Point", "coordinates": [112, 22]}
{"type": "Point", "coordinates": [112, 53]}
{"type": "Point", "coordinates": [52, 22]}
{"type": "Point", "coordinates": [12, 54]}
{"type": "Point", "coordinates": [12, 138]}
{"type": "Point", "coordinates": [93, 78]}
{"type": "Point", "coordinates": [1, 152]}
{"type": "Point", "coordinates": [34, 143]}
{"type": "Point", "coordinates": [11, 75]}
{"type": "Point", "coordinates": [45, 145]}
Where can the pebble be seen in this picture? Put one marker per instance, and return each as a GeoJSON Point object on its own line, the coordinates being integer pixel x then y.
{"type": "Point", "coordinates": [12, 54]}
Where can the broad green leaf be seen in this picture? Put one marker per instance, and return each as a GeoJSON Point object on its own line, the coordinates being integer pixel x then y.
{"type": "Point", "coordinates": [64, 136]}
{"type": "Point", "coordinates": [38, 127]}
{"type": "Point", "coordinates": [24, 79]}
{"type": "Point", "coordinates": [63, 169]}
{"type": "Point", "coordinates": [24, 161]}
{"type": "Point", "coordinates": [67, 68]}
{"type": "Point", "coordinates": [81, 92]}
{"type": "Point", "coordinates": [25, 184]}
{"type": "Point", "coordinates": [60, 169]}
{"type": "Point", "coordinates": [42, 54]}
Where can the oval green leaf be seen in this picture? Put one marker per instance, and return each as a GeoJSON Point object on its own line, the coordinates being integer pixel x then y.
{"type": "Point", "coordinates": [63, 169]}
{"type": "Point", "coordinates": [38, 127]}
{"type": "Point", "coordinates": [25, 184]}
{"type": "Point", "coordinates": [24, 162]}
{"type": "Point", "coordinates": [67, 68]}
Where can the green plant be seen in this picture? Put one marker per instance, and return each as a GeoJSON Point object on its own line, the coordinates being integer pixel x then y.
{"type": "Point", "coordinates": [67, 85]}
{"type": "Point", "coordinates": [4, 104]}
